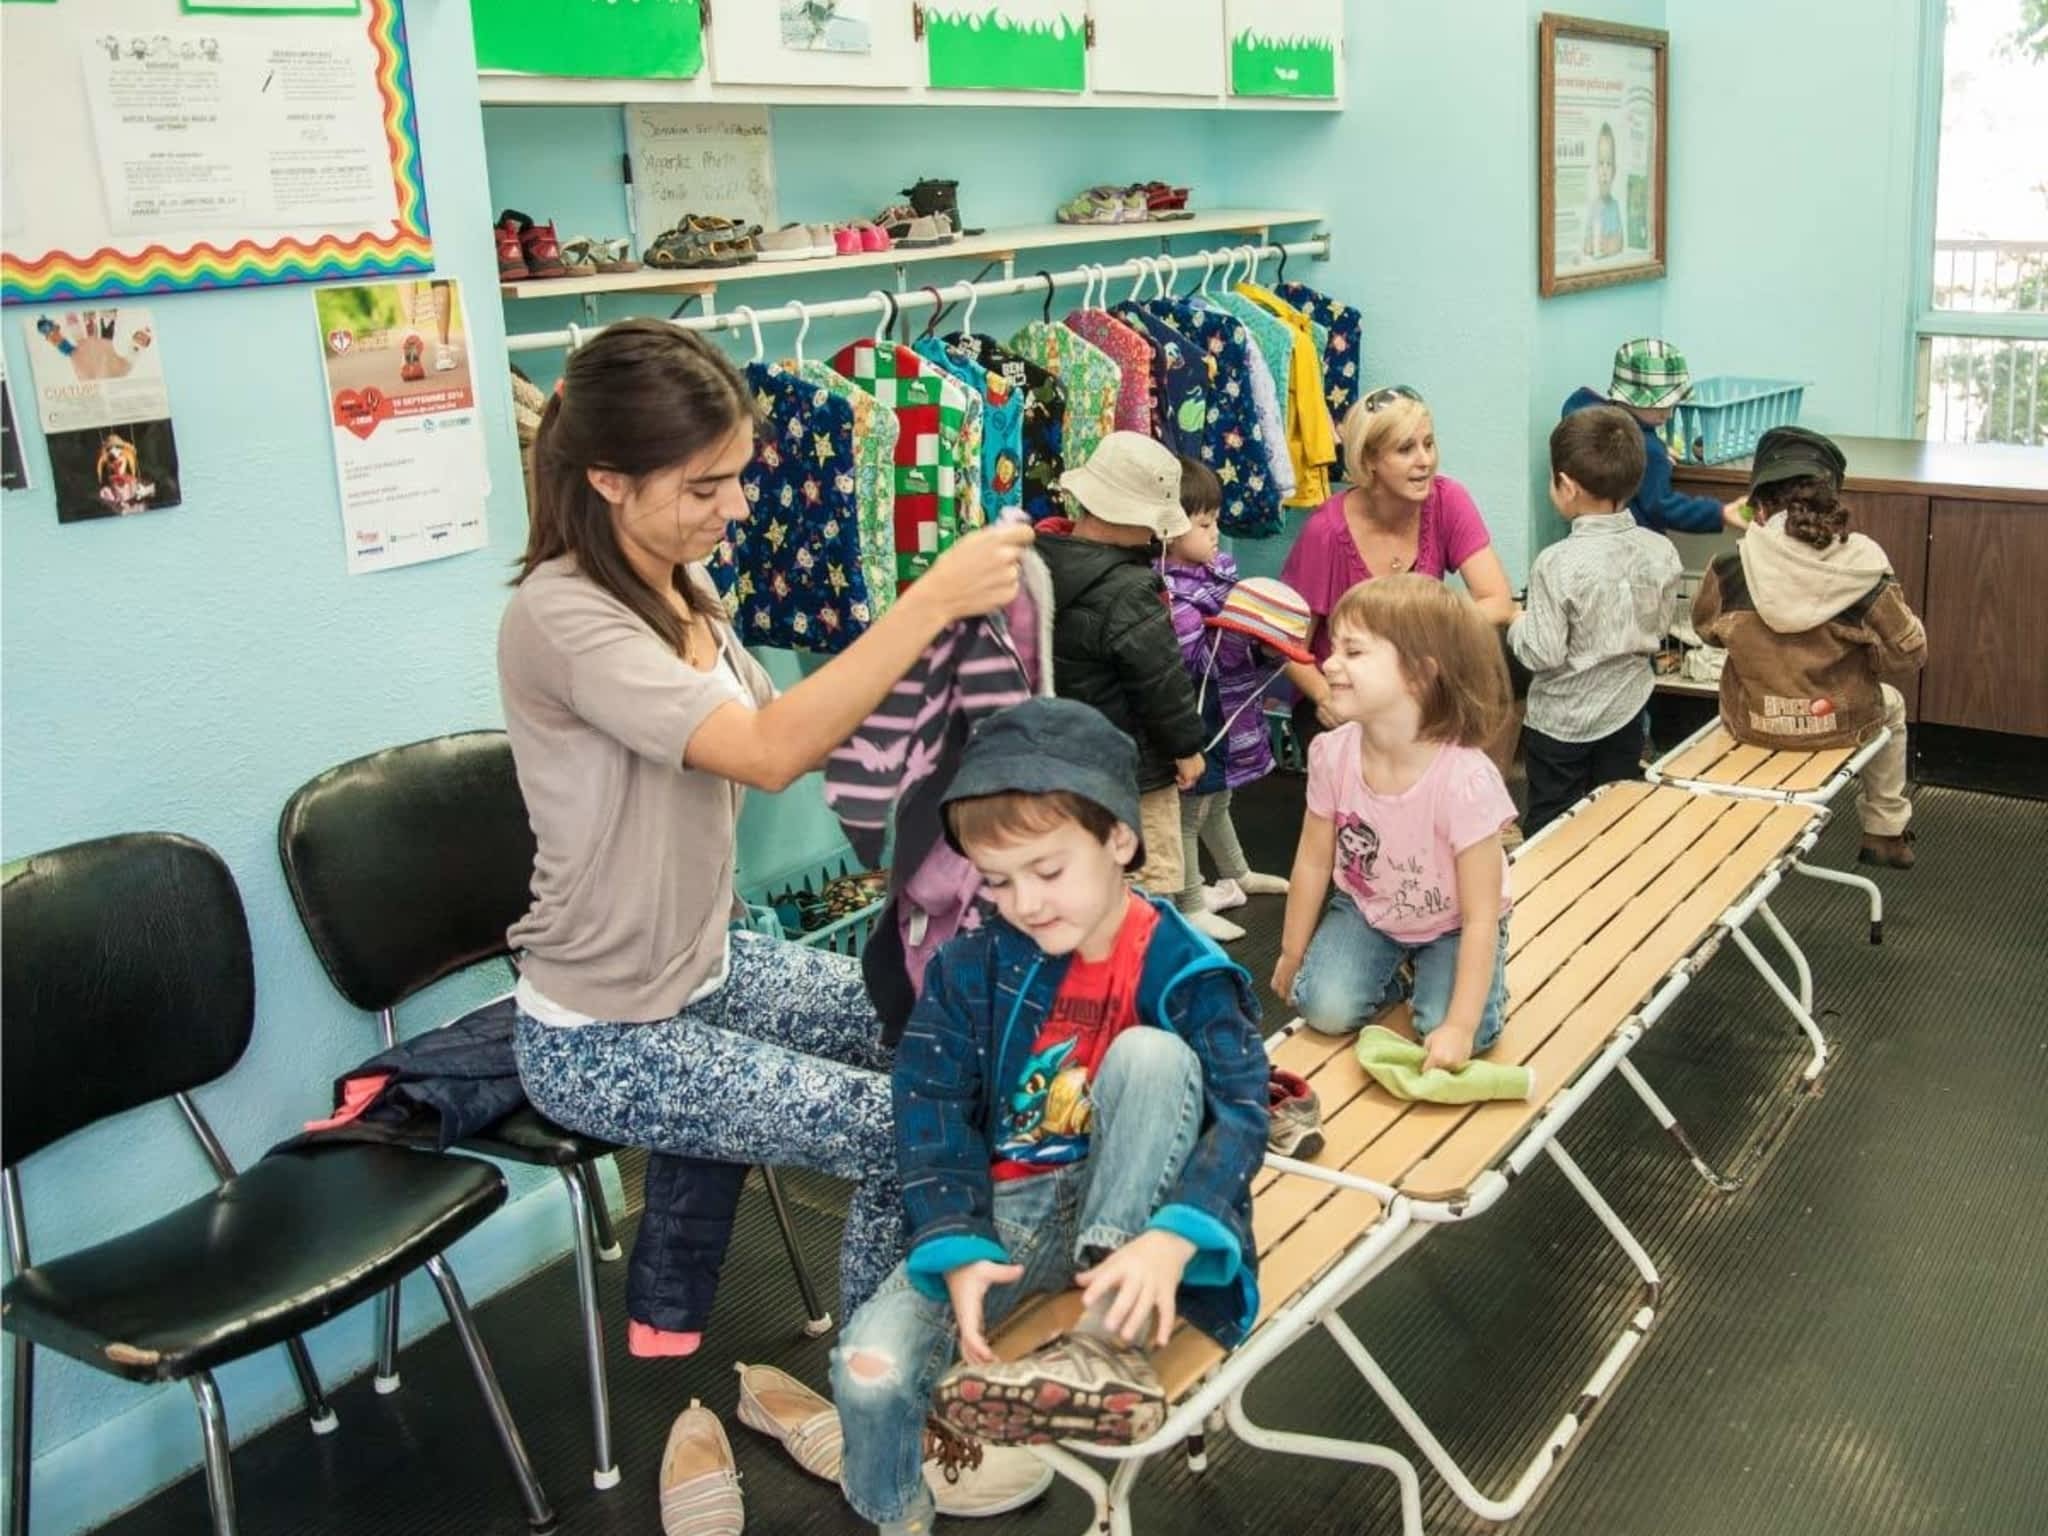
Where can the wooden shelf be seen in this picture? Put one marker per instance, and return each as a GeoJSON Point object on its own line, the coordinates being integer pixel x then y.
{"type": "Point", "coordinates": [996, 245]}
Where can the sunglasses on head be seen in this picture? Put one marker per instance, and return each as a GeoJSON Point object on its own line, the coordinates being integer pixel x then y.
{"type": "Point", "coordinates": [1380, 399]}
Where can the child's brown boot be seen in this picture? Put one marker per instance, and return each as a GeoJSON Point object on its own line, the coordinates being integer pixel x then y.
{"type": "Point", "coordinates": [1894, 852]}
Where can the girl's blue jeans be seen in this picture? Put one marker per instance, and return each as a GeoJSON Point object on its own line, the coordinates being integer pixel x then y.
{"type": "Point", "coordinates": [1350, 973]}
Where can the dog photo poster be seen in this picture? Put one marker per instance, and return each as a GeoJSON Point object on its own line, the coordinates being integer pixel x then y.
{"type": "Point", "coordinates": [105, 411]}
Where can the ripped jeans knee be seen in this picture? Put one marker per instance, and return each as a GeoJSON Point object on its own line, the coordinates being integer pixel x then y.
{"type": "Point", "coordinates": [889, 1358]}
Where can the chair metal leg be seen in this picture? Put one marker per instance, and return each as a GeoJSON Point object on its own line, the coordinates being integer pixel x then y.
{"type": "Point", "coordinates": [605, 1472]}
{"type": "Point", "coordinates": [608, 1249]}
{"type": "Point", "coordinates": [20, 1450]}
{"type": "Point", "coordinates": [819, 1320]}
{"type": "Point", "coordinates": [1857, 882]}
{"type": "Point", "coordinates": [213, 1434]}
{"type": "Point", "coordinates": [538, 1515]}
{"type": "Point", "coordinates": [319, 1412]}
{"type": "Point", "coordinates": [386, 1380]}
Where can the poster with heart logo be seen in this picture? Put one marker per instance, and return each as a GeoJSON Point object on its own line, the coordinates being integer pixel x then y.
{"type": "Point", "coordinates": [408, 438]}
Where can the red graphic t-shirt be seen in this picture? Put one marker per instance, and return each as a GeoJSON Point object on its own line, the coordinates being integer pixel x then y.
{"type": "Point", "coordinates": [1046, 1121]}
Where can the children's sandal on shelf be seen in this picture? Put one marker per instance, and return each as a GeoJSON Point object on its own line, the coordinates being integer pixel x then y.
{"type": "Point", "coordinates": [577, 257]}
{"type": "Point", "coordinates": [614, 256]}
{"type": "Point", "coordinates": [1098, 205]}
{"type": "Point", "coordinates": [1163, 202]}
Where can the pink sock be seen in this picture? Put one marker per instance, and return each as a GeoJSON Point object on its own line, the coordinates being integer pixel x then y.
{"type": "Point", "coordinates": [650, 1342]}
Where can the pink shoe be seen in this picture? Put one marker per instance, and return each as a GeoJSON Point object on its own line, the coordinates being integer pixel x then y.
{"type": "Point", "coordinates": [846, 240]}
{"type": "Point", "coordinates": [874, 238]}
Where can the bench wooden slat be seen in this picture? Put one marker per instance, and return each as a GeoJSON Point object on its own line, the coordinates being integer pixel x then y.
{"type": "Point", "coordinates": [1304, 1051]}
{"type": "Point", "coordinates": [1555, 896]}
{"type": "Point", "coordinates": [1695, 760]}
{"type": "Point", "coordinates": [1738, 765]}
{"type": "Point", "coordinates": [1491, 1131]}
{"type": "Point", "coordinates": [1560, 846]}
{"type": "Point", "coordinates": [1774, 770]}
{"type": "Point", "coordinates": [1818, 768]}
{"type": "Point", "coordinates": [1538, 961]}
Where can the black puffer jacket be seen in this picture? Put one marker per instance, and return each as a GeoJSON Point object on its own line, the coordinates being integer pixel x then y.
{"type": "Point", "coordinates": [1113, 647]}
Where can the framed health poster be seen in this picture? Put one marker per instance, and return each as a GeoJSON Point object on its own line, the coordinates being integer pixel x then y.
{"type": "Point", "coordinates": [151, 147]}
{"type": "Point", "coordinates": [1006, 45]}
{"type": "Point", "coordinates": [1284, 47]}
{"type": "Point", "coordinates": [1603, 97]}
{"type": "Point", "coordinates": [596, 39]}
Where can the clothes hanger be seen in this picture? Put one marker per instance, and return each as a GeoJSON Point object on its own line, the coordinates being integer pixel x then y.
{"type": "Point", "coordinates": [754, 323]}
{"type": "Point", "coordinates": [1208, 271]}
{"type": "Point", "coordinates": [1046, 313]}
{"type": "Point", "coordinates": [939, 308]}
{"type": "Point", "coordinates": [575, 336]}
{"type": "Point", "coordinates": [1283, 266]}
{"type": "Point", "coordinates": [1170, 268]}
{"type": "Point", "coordinates": [803, 329]}
{"type": "Point", "coordinates": [1144, 266]}
{"type": "Point", "coordinates": [967, 319]}
{"type": "Point", "coordinates": [888, 302]}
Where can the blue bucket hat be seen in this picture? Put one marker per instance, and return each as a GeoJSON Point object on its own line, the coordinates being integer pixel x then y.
{"type": "Point", "coordinates": [1043, 746]}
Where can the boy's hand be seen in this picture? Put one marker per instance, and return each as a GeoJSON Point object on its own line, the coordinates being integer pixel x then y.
{"type": "Point", "coordinates": [1188, 771]}
{"type": "Point", "coordinates": [1450, 1047]}
{"type": "Point", "coordinates": [1285, 969]}
{"type": "Point", "coordinates": [1735, 515]}
{"type": "Point", "coordinates": [1143, 1276]}
{"type": "Point", "coordinates": [967, 1286]}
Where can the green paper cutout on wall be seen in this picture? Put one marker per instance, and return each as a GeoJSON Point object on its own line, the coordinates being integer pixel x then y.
{"type": "Point", "coordinates": [982, 49]}
{"type": "Point", "coordinates": [589, 39]}
{"type": "Point", "coordinates": [1282, 66]}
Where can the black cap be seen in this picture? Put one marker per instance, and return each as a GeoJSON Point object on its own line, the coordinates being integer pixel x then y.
{"type": "Point", "coordinates": [1793, 453]}
{"type": "Point", "coordinates": [1043, 746]}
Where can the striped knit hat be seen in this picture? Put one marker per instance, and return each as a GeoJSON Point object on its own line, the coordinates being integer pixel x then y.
{"type": "Point", "coordinates": [1270, 612]}
{"type": "Point", "coordinates": [1649, 374]}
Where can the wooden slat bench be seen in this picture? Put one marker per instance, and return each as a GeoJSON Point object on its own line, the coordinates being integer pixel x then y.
{"type": "Point", "coordinates": [1712, 760]}
{"type": "Point", "coordinates": [1617, 905]}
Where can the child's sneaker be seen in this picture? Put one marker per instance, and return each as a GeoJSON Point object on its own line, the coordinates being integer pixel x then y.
{"type": "Point", "coordinates": [1081, 1386]}
{"type": "Point", "coordinates": [511, 255]}
{"type": "Point", "coordinates": [1891, 852]}
{"type": "Point", "coordinates": [1223, 895]}
{"type": "Point", "coordinates": [1296, 1129]}
{"type": "Point", "coordinates": [1256, 884]}
{"type": "Point", "coordinates": [974, 1481]}
{"type": "Point", "coordinates": [1221, 929]}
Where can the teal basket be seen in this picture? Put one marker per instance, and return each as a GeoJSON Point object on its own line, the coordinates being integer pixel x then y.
{"type": "Point", "coordinates": [1723, 417]}
{"type": "Point", "coordinates": [846, 935]}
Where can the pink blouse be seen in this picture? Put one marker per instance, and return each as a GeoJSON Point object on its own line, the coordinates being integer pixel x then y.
{"type": "Point", "coordinates": [1325, 563]}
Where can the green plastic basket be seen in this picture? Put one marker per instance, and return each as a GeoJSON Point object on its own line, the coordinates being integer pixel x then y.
{"type": "Point", "coordinates": [1725, 416]}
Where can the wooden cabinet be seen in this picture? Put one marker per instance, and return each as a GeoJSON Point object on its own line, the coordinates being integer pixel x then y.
{"type": "Point", "coordinates": [1966, 527]}
{"type": "Point", "coordinates": [1987, 637]}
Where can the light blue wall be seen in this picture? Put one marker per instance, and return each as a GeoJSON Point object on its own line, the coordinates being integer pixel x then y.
{"type": "Point", "coordinates": [1793, 176]}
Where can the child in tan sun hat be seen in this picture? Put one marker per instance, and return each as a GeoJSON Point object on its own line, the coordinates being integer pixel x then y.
{"type": "Point", "coordinates": [1113, 641]}
{"type": "Point", "coordinates": [1650, 381]}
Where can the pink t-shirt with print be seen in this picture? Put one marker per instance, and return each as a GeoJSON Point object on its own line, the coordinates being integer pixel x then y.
{"type": "Point", "coordinates": [1397, 855]}
{"type": "Point", "coordinates": [1325, 563]}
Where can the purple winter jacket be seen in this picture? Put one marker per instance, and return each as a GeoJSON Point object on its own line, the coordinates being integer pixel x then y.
{"type": "Point", "coordinates": [1234, 676]}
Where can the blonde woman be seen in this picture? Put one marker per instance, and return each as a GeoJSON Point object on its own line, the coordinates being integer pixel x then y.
{"type": "Point", "coordinates": [1397, 516]}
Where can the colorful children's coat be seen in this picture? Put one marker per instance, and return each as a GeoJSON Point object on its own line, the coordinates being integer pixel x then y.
{"type": "Point", "coordinates": [1002, 425]}
{"type": "Point", "coordinates": [874, 476]}
{"type": "Point", "coordinates": [930, 408]}
{"type": "Point", "coordinates": [791, 572]}
{"type": "Point", "coordinates": [1131, 353]}
{"type": "Point", "coordinates": [1045, 408]}
{"type": "Point", "coordinates": [1343, 344]}
{"type": "Point", "coordinates": [1229, 671]}
{"type": "Point", "coordinates": [1089, 376]}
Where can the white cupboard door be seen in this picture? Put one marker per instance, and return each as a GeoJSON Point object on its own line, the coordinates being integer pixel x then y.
{"type": "Point", "coordinates": [814, 42]}
{"type": "Point", "coordinates": [1287, 48]}
{"type": "Point", "coordinates": [1157, 47]}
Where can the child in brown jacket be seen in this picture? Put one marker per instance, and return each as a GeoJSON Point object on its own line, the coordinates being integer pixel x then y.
{"type": "Point", "coordinates": [1812, 619]}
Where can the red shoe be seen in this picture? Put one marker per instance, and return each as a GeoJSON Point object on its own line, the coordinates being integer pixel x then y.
{"type": "Point", "coordinates": [542, 250]}
{"type": "Point", "coordinates": [1164, 202]}
{"type": "Point", "coordinates": [412, 370]}
{"type": "Point", "coordinates": [511, 259]}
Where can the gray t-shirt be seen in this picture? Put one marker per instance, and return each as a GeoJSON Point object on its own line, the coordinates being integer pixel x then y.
{"type": "Point", "coordinates": [632, 884]}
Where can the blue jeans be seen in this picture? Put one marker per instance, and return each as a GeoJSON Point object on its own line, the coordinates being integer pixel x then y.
{"type": "Point", "coordinates": [783, 1066]}
{"type": "Point", "coordinates": [1348, 975]}
{"type": "Point", "coordinates": [1147, 1098]}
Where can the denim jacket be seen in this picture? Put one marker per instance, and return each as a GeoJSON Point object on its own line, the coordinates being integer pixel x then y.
{"type": "Point", "coordinates": [985, 998]}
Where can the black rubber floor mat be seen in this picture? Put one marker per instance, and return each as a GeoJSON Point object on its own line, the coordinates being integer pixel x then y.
{"type": "Point", "coordinates": [1852, 1346]}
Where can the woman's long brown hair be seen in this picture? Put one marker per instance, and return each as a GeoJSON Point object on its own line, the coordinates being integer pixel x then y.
{"type": "Point", "coordinates": [639, 397]}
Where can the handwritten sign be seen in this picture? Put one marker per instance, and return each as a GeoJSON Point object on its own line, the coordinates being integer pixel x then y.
{"type": "Point", "coordinates": [702, 160]}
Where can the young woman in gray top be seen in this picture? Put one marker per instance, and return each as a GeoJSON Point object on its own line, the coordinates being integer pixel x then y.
{"type": "Point", "coordinates": [637, 721]}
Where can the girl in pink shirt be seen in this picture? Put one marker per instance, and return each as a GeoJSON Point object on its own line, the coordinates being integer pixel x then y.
{"type": "Point", "coordinates": [1405, 812]}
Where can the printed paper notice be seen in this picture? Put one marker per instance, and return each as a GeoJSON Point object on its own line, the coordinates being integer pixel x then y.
{"type": "Point", "coordinates": [106, 413]}
{"type": "Point", "coordinates": [1606, 155]}
{"type": "Point", "coordinates": [408, 438]}
{"type": "Point", "coordinates": [265, 127]}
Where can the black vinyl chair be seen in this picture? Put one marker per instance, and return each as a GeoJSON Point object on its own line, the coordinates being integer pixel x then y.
{"type": "Point", "coordinates": [407, 866]}
{"type": "Point", "coordinates": [127, 979]}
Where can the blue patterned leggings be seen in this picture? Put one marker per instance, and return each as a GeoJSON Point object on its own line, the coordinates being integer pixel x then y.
{"type": "Point", "coordinates": [783, 1065]}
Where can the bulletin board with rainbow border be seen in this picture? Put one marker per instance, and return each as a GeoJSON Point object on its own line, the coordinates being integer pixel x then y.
{"type": "Point", "coordinates": [153, 147]}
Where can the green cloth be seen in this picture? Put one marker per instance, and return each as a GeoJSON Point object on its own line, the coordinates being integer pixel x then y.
{"type": "Point", "coordinates": [1395, 1063]}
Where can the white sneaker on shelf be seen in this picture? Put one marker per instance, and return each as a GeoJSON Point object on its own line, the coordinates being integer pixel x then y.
{"type": "Point", "coordinates": [1221, 929]}
{"type": "Point", "coordinates": [1256, 884]}
{"type": "Point", "coordinates": [1223, 895]}
{"type": "Point", "coordinates": [1008, 1478]}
